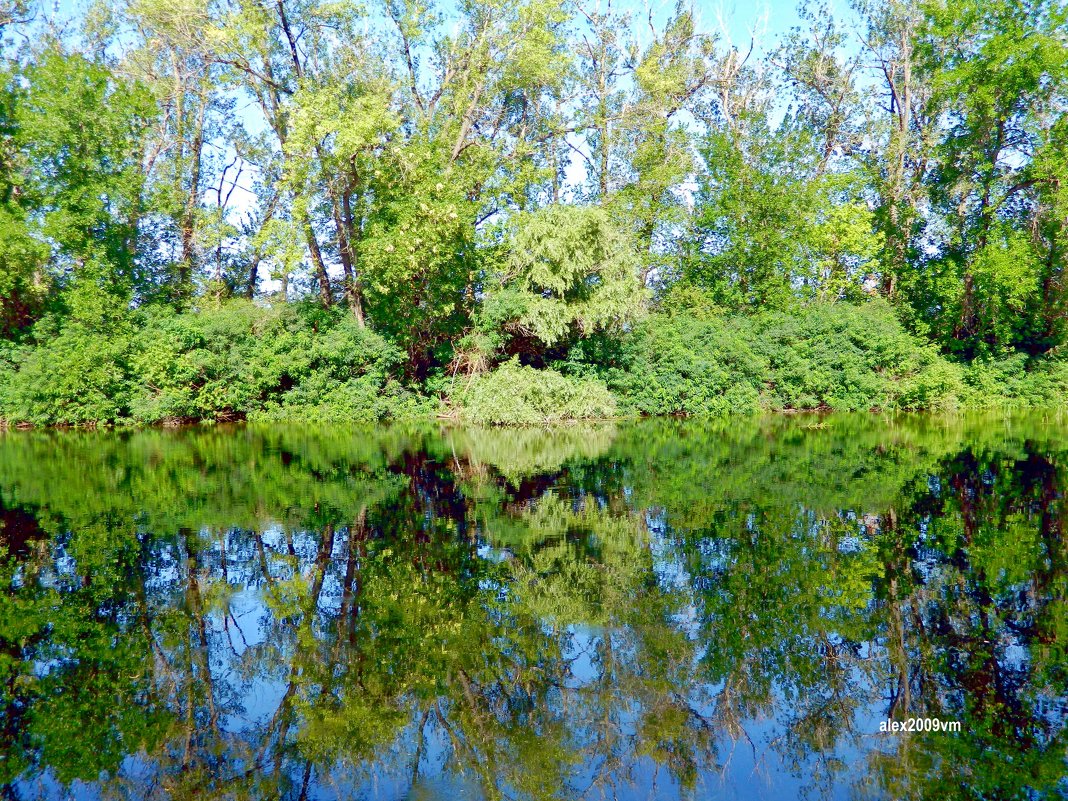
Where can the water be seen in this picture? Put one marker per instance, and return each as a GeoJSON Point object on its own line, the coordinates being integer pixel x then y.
{"type": "Point", "coordinates": [661, 609]}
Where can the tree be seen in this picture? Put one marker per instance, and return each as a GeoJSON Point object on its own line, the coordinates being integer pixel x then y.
{"type": "Point", "coordinates": [997, 70]}
{"type": "Point", "coordinates": [901, 133]}
{"type": "Point", "coordinates": [478, 138]}
{"type": "Point", "coordinates": [672, 78]}
{"type": "Point", "coordinates": [78, 131]}
{"type": "Point", "coordinates": [273, 54]}
{"type": "Point", "coordinates": [773, 225]}
{"type": "Point", "coordinates": [570, 273]}
{"type": "Point", "coordinates": [173, 56]}
{"type": "Point", "coordinates": [23, 282]}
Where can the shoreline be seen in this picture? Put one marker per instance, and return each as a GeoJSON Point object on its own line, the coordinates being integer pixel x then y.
{"type": "Point", "coordinates": [1000, 409]}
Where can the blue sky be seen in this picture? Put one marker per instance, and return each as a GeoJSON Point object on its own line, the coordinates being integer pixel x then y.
{"type": "Point", "coordinates": [736, 18]}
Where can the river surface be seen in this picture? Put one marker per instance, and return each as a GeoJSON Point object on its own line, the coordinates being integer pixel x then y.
{"type": "Point", "coordinates": [651, 610]}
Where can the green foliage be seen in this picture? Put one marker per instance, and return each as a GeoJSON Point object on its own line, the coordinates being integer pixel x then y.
{"type": "Point", "coordinates": [79, 376]}
{"type": "Point", "coordinates": [569, 273]}
{"type": "Point", "coordinates": [850, 357]}
{"type": "Point", "coordinates": [516, 395]}
{"type": "Point", "coordinates": [1016, 381]}
{"type": "Point", "coordinates": [771, 227]}
{"type": "Point", "coordinates": [23, 285]}
{"type": "Point", "coordinates": [79, 128]}
{"type": "Point", "coordinates": [993, 289]}
{"type": "Point", "coordinates": [240, 359]}
{"type": "Point", "coordinates": [230, 361]}
{"type": "Point", "coordinates": [824, 356]}
{"type": "Point", "coordinates": [322, 396]}
{"type": "Point", "coordinates": [525, 178]}
{"type": "Point", "coordinates": [418, 252]}
{"type": "Point", "coordinates": [680, 364]}
{"type": "Point", "coordinates": [995, 67]}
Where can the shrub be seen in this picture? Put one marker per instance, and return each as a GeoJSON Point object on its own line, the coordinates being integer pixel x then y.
{"type": "Point", "coordinates": [1016, 381]}
{"type": "Point", "coordinates": [11, 355]}
{"type": "Point", "coordinates": [516, 395]}
{"type": "Point", "coordinates": [77, 376]}
{"type": "Point", "coordinates": [937, 384]}
{"type": "Point", "coordinates": [850, 357]}
{"type": "Point", "coordinates": [231, 360]}
{"type": "Point", "coordinates": [678, 364]}
{"type": "Point", "coordinates": [357, 400]}
{"type": "Point", "coordinates": [240, 359]}
{"type": "Point", "coordinates": [825, 356]}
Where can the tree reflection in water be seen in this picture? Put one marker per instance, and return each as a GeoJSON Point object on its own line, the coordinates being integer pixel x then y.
{"type": "Point", "coordinates": [659, 609]}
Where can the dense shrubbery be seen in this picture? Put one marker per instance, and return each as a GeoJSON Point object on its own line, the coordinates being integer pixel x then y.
{"type": "Point", "coordinates": [839, 356]}
{"type": "Point", "coordinates": [77, 375]}
{"type": "Point", "coordinates": [229, 361]}
{"type": "Point", "coordinates": [516, 395]}
{"type": "Point", "coordinates": [240, 360]}
{"type": "Point", "coordinates": [679, 364]}
{"type": "Point", "coordinates": [1016, 381]}
{"type": "Point", "coordinates": [720, 253]}
{"type": "Point", "coordinates": [850, 357]}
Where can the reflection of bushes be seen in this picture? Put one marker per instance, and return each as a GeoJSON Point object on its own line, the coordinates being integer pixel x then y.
{"type": "Point", "coordinates": [676, 582]}
{"type": "Point", "coordinates": [518, 453]}
{"type": "Point", "coordinates": [693, 470]}
{"type": "Point", "coordinates": [856, 462]}
{"type": "Point", "coordinates": [224, 477]}
{"type": "Point", "coordinates": [575, 563]}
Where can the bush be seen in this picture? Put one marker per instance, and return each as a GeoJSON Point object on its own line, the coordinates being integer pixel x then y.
{"type": "Point", "coordinates": [515, 395]}
{"type": "Point", "coordinates": [229, 361]}
{"type": "Point", "coordinates": [678, 364]}
{"type": "Point", "coordinates": [242, 360]}
{"type": "Point", "coordinates": [824, 356]}
{"type": "Point", "coordinates": [1016, 381]}
{"type": "Point", "coordinates": [78, 376]}
{"type": "Point", "coordinates": [937, 384]}
{"type": "Point", "coordinates": [850, 357]}
{"type": "Point", "coordinates": [358, 400]}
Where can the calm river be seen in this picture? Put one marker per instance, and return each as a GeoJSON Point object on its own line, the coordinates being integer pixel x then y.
{"type": "Point", "coordinates": [650, 610]}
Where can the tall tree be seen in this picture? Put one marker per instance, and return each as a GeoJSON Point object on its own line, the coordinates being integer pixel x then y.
{"type": "Point", "coordinates": [999, 72]}
{"type": "Point", "coordinates": [900, 130]}
{"type": "Point", "coordinates": [172, 55]}
{"type": "Point", "coordinates": [672, 77]}
{"type": "Point", "coordinates": [477, 129]}
{"type": "Point", "coordinates": [80, 130]}
{"type": "Point", "coordinates": [23, 281]}
{"type": "Point", "coordinates": [272, 53]}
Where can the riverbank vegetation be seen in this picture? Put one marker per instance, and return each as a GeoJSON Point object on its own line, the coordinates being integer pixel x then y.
{"type": "Point", "coordinates": [519, 211]}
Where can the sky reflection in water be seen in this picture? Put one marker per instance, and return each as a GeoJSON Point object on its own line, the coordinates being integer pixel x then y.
{"type": "Point", "coordinates": [661, 609]}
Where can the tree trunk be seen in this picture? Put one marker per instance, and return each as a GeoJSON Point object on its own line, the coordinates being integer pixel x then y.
{"type": "Point", "coordinates": [188, 223]}
{"type": "Point", "coordinates": [343, 224]}
{"type": "Point", "coordinates": [321, 276]}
